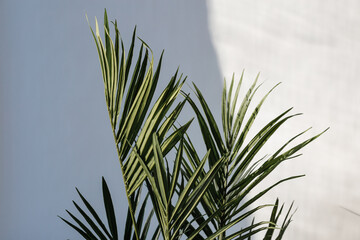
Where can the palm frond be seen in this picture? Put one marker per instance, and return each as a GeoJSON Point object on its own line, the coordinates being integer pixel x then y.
{"type": "Point", "coordinates": [242, 170]}
{"type": "Point", "coordinates": [133, 119]}
{"type": "Point", "coordinates": [98, 227]}
{"type": "Point", "coordinates": [161, 185]}
{"type": "Point", "coordinates": [92, 227]}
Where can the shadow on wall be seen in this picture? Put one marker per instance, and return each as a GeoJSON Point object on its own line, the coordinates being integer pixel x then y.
{"type": "Point", "coordinates": [47, 148]}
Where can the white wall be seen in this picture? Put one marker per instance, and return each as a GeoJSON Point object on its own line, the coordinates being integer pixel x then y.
{"type": "Point", "coordinates": [54, 127]}
{"type": "Point", "coordinates": [313, 47]}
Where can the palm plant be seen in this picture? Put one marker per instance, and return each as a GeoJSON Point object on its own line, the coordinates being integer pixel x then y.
{"type": "Point", "coordinates": [192, 196]}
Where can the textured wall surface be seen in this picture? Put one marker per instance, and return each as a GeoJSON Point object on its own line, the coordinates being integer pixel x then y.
{"type": "Point", "coordinates": [313, 48]}
{"type": "Point", "coordinates": [54, 129]}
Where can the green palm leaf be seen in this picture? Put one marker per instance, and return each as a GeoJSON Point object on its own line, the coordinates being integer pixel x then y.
{"type": "Point", "coordinates": [99, 227]}
{"type": "Point", "coordinates": [241, 171]}
{"type": "Point", "coordinates": [92, 227]}
{"type": "Point", "coordinates": [173, 219]}
{"type": "Point", "coordinates": [132, 118]}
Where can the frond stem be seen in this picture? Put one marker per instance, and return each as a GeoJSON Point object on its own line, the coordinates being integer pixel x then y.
{"type": "Point", "coordinates": [125, 183]}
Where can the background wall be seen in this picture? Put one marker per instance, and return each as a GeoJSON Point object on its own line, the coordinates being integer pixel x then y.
{"type": "Point", "coordinates": [313, 48]}
{"type": "Point", "coordinates": [55, 133]}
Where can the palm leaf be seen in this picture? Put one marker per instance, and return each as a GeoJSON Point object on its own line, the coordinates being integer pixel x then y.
{"type": "Point", "coordinates": [241, 171]}
{"type": "Point", "coordinates": [88, 227]}
{"type": "Point", "coordinates": [99, 227]}
{"type": "Point", "coordinates": [109, 207]}
{"type": "Point", "coordinates": [133, 119]}
{"type": "Point", "coordinates": [173, 219]}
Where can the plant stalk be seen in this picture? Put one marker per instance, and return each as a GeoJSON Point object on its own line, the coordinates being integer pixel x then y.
{"type": "Point", "coordinates": [125, 184]}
